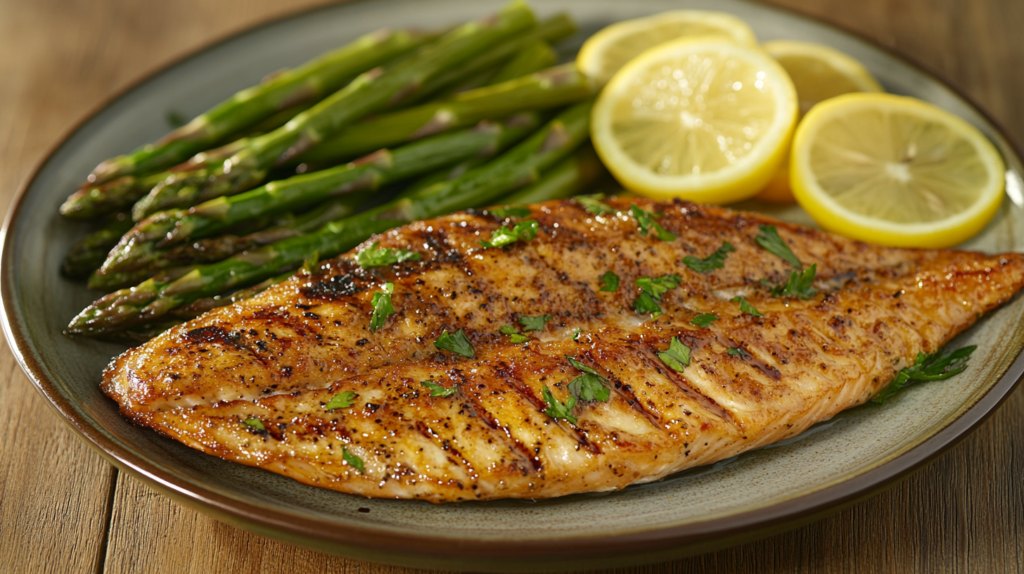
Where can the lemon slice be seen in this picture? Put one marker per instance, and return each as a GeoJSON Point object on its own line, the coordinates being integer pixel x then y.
{"type": "Point", "coordinates": [895, 171]}
{"type": "Point", "coordinates": [610, 49]}
{"type": "Point", "coordinates": [819, 73]}
{"type": "Point", "coordinates": [703, 120]}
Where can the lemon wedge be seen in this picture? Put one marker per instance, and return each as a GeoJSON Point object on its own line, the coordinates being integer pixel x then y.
{"type": "Point", "coordinates": [704, 120]}
{"type": "Point", "coordinates": [819, 73]}
{"type": "Point", "coordinates": [895, 171]}
{"type": "Point", "coordinates": [607, 51]}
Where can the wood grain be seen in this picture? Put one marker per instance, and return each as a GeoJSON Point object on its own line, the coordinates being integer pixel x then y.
{"type": "Point", "coordinates": [62, 509]}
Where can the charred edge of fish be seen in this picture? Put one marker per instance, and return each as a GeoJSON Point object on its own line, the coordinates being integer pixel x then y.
{"type": "Point", "coordinates": [334, 287]}
{"type": "Point", "coordinates": [437, 240]}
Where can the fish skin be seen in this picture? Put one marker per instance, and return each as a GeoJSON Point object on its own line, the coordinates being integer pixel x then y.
{"type": "Point", "coordinates": [282, 355]}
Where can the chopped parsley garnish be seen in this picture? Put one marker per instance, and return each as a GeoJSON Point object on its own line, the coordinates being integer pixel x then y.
{"type": "Point", "coordinates": [524, 230]}
{"type": "Point", "coordinates": [609, 282]}
{"type": "Point", "coordinates": [746, 307]}
{"type": "Point", "coordinates": [557, 410]}
{"type": "Point", "coordinates": [342, 400]}
{"type": "Point", "coordinates": [799, 284]}
{"type": "Point", "coordinates": [457, 343]}
{"type": "Point", "coordinates": [934, 367]}
{"type": "Point", "coordinates": [714, 261]}
{"type": "Point", "coordinates": [382, 308]}
{"type": "Point", "coordinates": [677, 356]}
{"type": "Point", "coordinates": [645, 219]}
{"type": "Point", "coordinates": [770, 241]}
{"type": "Point", "coordinates": [593, 204]}
{"type": "Point", "coordinates": [653, 289]}
{"type": "Point", "coordinates": [534, 323]}
{"type": "Point", "coordinates": [589, 386]}
{"type": "Point", "coordinates": [374, 256]}
{"type": "Point", "coordinates": [513, 334]}
{"type": "Point", "coordinates": [511, 211]}
{"type": "Point", "coordinates": [703, 320]}
{"type": "Point", "coordinates": [437, 390]}
{"type": "Point", "coordinates": [737, 352]}
{"type": "Point", "coordinates": [255, 423]}
{"type": "Point", "coordinates": [576, 334]}
{"type": "Point", "coordinates": [352, 460]}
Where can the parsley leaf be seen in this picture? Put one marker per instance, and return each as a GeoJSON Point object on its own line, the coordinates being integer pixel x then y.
{"type": "Point", "coordinates": [593, 204]}
{"type": "Point", "coordinates": [645, 304]}
{"type": "Point", "coordinates": [534, 323]}
{"type": "Point", "coordinates": [576, 334]}
{"type": "Point", "coordinates": [342, 400]}
{"type": "Point", "coordinates": [382, 308]}
{"type": "Point", "coordinates": [374, 256]}
{"type": "Point", "coordinates": [934, 367]}
{"type": "Point", "coordinates": [737, 352]}
{"type": "Point", "coordinates": [457, 343]}
{"type": "Point", "coordinates": [770, 241]}
{"type": "Point", "coordinates": [746, 307]}
{"type": "Point", "coordinates": [658, 286]}
{"type": "Point", "coordinates": [714, 261]}
{"type": "Point", "coordinates": [610, 282]}
{"type": "Point", "coordinates": [677, 356]}
{"type": "Point", "coordinates": [581, 366]}
{"type": "Point", "coordinates": [703, 320]}
{"type": "Point", "coordinates": [590, 385]}
{"type": "Point", "coordinates": [352, 460]}
{"type": "Point", "coordinates": [653, 289]}
{"type": "Point", "coordinates": [524, 230]}
{"type": "Point", "coordinates": [255, 423]}
{"type": "Point", "coordinates": [437, 390]}
{"type": "Point", "coordinates": [513, 334]}
{"type": "Point", "coordinates": [646, 220]}
{"type": "Point", "coordinates": [511, 211]}
{"type": "Point", "coordinates": [799, 284]}
{"type": "Point", "coordinates": [557, 410]}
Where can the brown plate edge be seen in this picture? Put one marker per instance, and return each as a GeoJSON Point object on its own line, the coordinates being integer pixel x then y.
{"type": "Point", "coordinates": [605, 551]}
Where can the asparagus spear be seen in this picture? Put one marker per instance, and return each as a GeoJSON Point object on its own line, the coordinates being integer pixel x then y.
{"type": "Point", "coordinates": [142, 245]}
{"type": "Point", "coordinates": [552, 30]}
{"type": "Point", "coordinates": [370, 92]}
{"type": "Point", "coordinates": [88, 253]}
{"type": "Point", "coordinates": [217, 248]}
{"type": "Point", "coordinates": [309, 82]}
{"type": "Point", "coordinates": [260, 108]}
{"type": "Point", "coordinates": [548, 88]}
{"type": "Point", "coordinates": [536, 55]}
{"type": "Point", "coordinates": [568, 178]}
{"type": "Point", "coordinates": [152, 299]}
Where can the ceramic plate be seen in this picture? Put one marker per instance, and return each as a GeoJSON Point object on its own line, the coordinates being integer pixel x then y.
{"type": "Point", "coordinates": [835, 463]}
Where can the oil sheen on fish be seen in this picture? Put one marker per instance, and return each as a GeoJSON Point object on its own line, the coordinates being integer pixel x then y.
{"type": "Point", "coordinates": [254, 382]}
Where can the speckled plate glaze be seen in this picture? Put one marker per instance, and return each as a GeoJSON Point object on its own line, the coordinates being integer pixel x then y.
{"type": "Point", "coordinates": [835, 463]}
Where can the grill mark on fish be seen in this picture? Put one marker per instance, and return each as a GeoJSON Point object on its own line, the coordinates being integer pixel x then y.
{"type": "Point", "coordinates": [532, 461]}
{"type": "Point", "coordinates": [653, 362]}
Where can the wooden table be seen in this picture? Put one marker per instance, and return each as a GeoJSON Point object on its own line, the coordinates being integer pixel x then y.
{"type": "Point", "coordinates": [64, 509]}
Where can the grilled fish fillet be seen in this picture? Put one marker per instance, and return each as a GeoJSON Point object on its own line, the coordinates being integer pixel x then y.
{"type": "Point", "coordinates": [279, 358]}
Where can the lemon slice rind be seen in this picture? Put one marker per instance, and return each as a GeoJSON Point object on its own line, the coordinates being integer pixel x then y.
{"type": "Point", "coordinates": [835, 217]}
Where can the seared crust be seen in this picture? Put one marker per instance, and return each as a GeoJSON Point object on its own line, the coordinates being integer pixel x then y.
{"type": "Point", "coordinates": [281, 356]}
